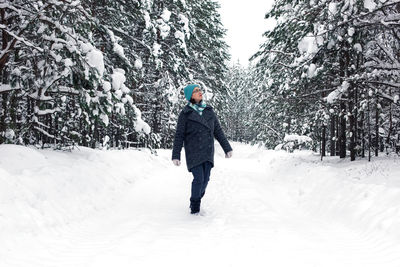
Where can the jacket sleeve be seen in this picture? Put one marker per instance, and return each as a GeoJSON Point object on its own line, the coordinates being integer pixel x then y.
{"type": "Point", "coordinates": [179, 137]}
{"type": "Point", "coordinates": [220, 136]}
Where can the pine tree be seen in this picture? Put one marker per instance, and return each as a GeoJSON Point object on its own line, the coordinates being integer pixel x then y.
{"type": "Point", "coordinates": [317, 59]}
{"type": "Point", "coordinates": [208, 58]}
{"type": "Point", "coordinates": [65, 92]}
{"type": "Point", "coordinates": [86, 72]}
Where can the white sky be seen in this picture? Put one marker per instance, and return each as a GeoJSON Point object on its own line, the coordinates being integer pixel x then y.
{"type": "Point", "coordinates": [245, 23]}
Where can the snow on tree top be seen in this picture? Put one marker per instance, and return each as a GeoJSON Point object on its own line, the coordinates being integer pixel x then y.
{"type": "Point", "coordinates": [138, 63]}
{"type": "Point", "coordinates": [94, 57]}
{"type": "Point", "coordinates": [309, 44]}
{"type": "Point", "coordinates": [106, 86]}
{"type": "Point", "coordinates": [358, 47]}
{"type": "Point", "coordinates": [118, 78]}
{"type": "Point", "coordinates": [147, 20]}
{"type": "Point", "coordinates": [164, 28]}
{"type": "Point", "coordinates": [180, 35]}
{"type": "Point", "coordinates": [312, 71]}
{"type": "Point", "coordinates": [338, 92]}
{"type": "Point", "coordinates": [166, 15]}
{"type": "Point", "coordinates": [156, 49]}
{"type": "Point", "coordinates": [185, 21]}
{"type": "Point", "coordinates": [369, 4]}
{"type": "Point", "coordinates": [333, 8]}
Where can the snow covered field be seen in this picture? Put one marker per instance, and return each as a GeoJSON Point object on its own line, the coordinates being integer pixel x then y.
{"type": "Point", "coordinates": [262, 208]}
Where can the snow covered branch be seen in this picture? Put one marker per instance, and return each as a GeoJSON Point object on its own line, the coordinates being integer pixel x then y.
{"type": "Point", "coordinates": [393, 85]}
{"type": "Point", "coordinates": [46, 111]}
{"type": "Point", "coordinates": [21, 39]}
{"type": "Point", "coordinates": [46, 133]}
{"type": "Point", "coordinates": [132, 38]}
{"type": "Point", "coordinates": [11, 44]}
{"type": "Point", "coordinates": [7, 88]}
{"type": "Point", "coordinates": [278, 52]}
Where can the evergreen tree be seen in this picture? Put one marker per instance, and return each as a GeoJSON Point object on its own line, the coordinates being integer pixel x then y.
{"type": "Point", "coordinates": [57, 76]}
{"type": "Point", "coordinates": [239, 104]}
{"type": "Point", "coordinates": [208, 58]}
{"type": "Point", "coordinates": [317, 61]}
{"type": "Point", "coordinates": [85, 72]}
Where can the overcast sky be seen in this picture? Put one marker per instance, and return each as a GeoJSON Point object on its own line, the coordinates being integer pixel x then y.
{"type": "Point", "coordinates": [245, 23]}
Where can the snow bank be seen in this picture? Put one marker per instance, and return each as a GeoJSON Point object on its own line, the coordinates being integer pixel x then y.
{"type": "Point", "coordinates": [361, 194]}
{"type": "Point", "coordinates": [101, 208]}
{"type": "Point", "coordinates": [298, 138]}
{"type": "Point", "coordinates": [42, 188]}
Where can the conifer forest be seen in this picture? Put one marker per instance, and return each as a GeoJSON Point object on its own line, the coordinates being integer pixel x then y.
{"type": "Point", "coordinates": [109, 74]}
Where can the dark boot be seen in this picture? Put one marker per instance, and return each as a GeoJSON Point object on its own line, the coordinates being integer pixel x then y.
{"type": "Point", "coordinates": [195, 206]}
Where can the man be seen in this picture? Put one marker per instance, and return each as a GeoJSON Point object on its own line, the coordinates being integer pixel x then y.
{"type": "Point", "coordinates": [196, 129]}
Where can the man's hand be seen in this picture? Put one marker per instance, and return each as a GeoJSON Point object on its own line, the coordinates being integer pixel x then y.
{"type": "Point", "coordinates": [228, 155]}
{"type": "Point", "coordinates": [176, 162]}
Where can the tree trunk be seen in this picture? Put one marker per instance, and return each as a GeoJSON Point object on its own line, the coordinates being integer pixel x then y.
{"type": "Point", "coordinates": [390, 126]}
{"type": "Point", "coordinates": [333, 136]}
{"type": "Point", "coordinates": [352, 126]}
{"type": "Point", "coordinates": [3, 116]}
{"type": "Point", "coordinates": [4, 95]}
{"type": "Point", "coordinates": [356, 123]}
{"type": "Point", "coordinates": [337, 135]}
{"type": "Point", "coordinates": [344, 62]}
{"type": "Point", "coordinates": [5, 39]}
{"type": "Point", "coordinates": [342, 136]}
{"type": "Point", "coordinates": [362, 133]}
{"type": "Point", "coordinates": [323, 142]}
{"type": "Point", "coordinates": [376, 128]}
{"type": "Point", "coordinates": [95, 136]}
{"type": "Point", "coordinates": [369, 129]}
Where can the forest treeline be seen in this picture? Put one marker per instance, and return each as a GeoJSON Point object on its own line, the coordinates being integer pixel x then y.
{"type": "Point", "coordinates": [110, 73]}
{"type": "Point", "coordinates": [104, 73]}
{"type": "Point", "coordinates": [329, 70]}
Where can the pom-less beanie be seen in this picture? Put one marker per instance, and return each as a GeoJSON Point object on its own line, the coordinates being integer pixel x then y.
{"type": "Point", "coordinates": [188, 90]}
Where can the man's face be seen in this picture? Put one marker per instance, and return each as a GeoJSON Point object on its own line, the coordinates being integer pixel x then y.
{"type": "Point", "coordinates": [197, 94]}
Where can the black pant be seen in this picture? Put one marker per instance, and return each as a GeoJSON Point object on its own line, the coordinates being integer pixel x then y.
{"type": "Point", "coordinates": [201, 176]}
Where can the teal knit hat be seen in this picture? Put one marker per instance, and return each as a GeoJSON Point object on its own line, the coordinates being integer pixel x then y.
{"type": "Point", "coordinates": [188, 90]}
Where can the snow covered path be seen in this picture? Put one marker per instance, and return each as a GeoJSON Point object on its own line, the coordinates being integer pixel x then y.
{"type": "Point", "coordinates": [271, 209]}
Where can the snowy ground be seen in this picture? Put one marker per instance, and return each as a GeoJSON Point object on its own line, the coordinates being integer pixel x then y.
{"type": "Point", "coordinates": [262, 208]}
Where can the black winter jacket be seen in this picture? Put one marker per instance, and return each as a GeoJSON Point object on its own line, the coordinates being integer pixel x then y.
{"type": "Point", "coordinates": [196, 133]}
